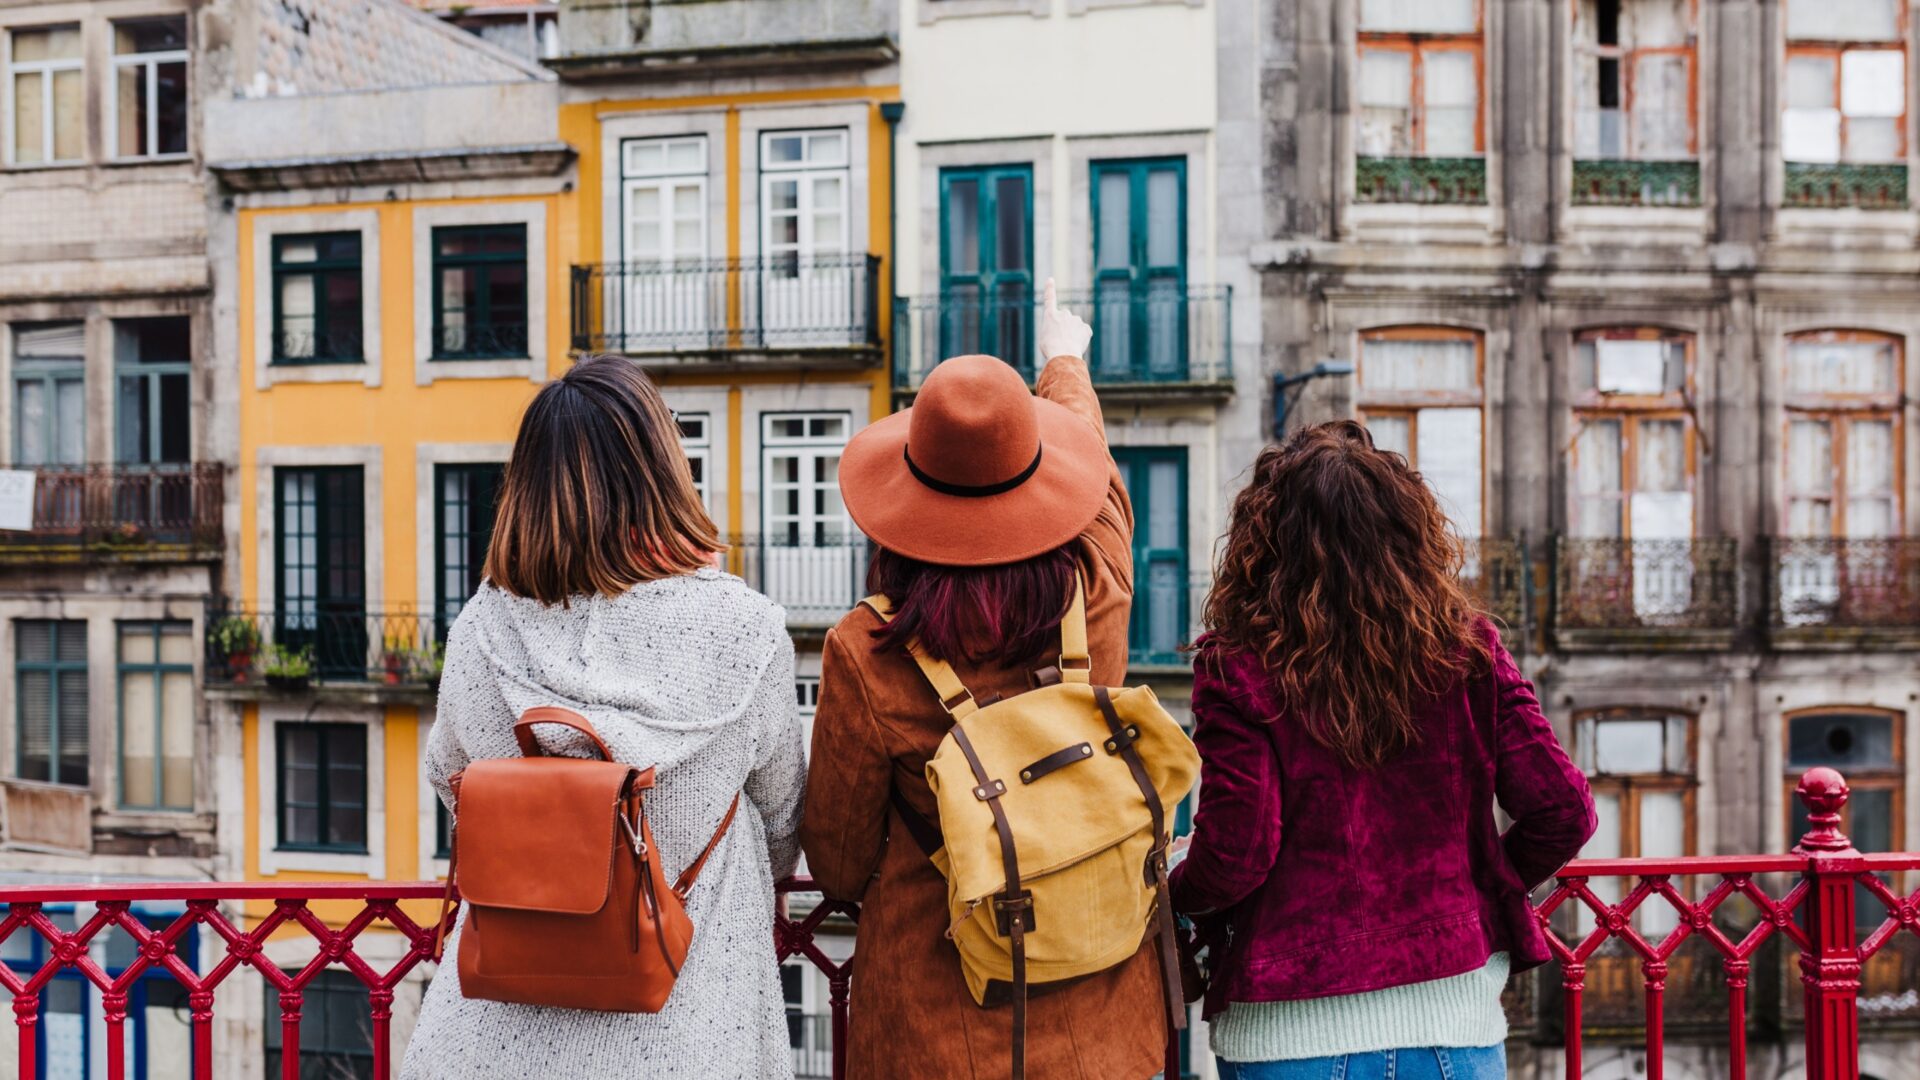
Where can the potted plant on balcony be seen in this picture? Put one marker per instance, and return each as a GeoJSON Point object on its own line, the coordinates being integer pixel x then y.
{"type": "Point", "coordinates": [428, 662]}
{"type": "Point", "coordinates": [396, 659]}
{"type": "Point", "coordinates": [289, 668]}
{"type": "Point", "coordinates": [237, 639]}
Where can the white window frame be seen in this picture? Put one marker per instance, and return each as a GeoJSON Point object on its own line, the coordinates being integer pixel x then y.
{"type": "Point", "coordinates": [151, 61]}
{"type": "Point", "coordinates": [663, 181]}
{"type": "Point", "coordinates": [810, 447]}
{"type": "Point", "coordinates": [699, 448]}
{"type": "Point", "coordinates": [805, 245]}
{"type": "Point", "coordinates": [45, 69]}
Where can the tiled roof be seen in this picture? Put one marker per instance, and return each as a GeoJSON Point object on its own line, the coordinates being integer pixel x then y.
{"type": "Point", "coordinates": [325, 46]}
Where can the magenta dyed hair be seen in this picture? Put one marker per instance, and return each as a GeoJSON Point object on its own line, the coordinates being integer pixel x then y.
{"type": "Point", "coordinates": [1003, 614]}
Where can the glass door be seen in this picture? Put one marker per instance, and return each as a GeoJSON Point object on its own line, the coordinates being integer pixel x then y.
{"type": "Point", "coordinates": [986, 263]}
{"type": "Point", "coordinates": [812, 561]}
{"type": "Point", "coordinates": [671, 299]}
{"type": "Point", "coordinates": [321, 569]}
{"type": "Point", "coordinates": [807, 290]}
{"type": "Point", "coordinates": [1140, 270]}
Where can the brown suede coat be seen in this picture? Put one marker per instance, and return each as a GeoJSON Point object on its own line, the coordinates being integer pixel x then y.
{"type": "Point", "coordinates": [877, 725]}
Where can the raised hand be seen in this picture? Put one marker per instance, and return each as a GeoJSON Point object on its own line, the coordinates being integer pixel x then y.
{"type": "Point", "coordinates": [1062, 333]}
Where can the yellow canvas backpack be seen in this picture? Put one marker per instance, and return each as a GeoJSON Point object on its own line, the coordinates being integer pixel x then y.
{"type": "Point", "coordinates": [1054, 823]}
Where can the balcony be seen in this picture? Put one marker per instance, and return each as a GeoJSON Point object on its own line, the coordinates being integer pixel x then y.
{"type": "Point", "coordinates": [815, 312]}
{"type": "Point", "coordinates": [122, 513]}
{"type": "Point", "coordinates": [638, 38]}
{"type": "Point", "coordinates": [1842, 186]}
{"type": "Point", "coordinates": [817, 579]}
{"type": "Point", "coordinates": [1435, 180]}
{"type": "Point", "coordinates": [1154, 343]}
{"type": "Point", "coordinates": [1498, 574]}
{"type": "Point", "coordinates": [1843, 594]}
{"type": "Point", "coordinates": [331, 649]}
{"type": "Point", "coordinates": [1646, 594]}
{"type": "Point", "coordinates": [1636, 183]}
{"type": "Point", "coordinates": [1838, 919]}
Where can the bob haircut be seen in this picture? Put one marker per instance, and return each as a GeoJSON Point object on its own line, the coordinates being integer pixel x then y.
{"type": "Point", "coordinates": [1341, 574]}
{"type": "Point", "coordinates": [598, 496]}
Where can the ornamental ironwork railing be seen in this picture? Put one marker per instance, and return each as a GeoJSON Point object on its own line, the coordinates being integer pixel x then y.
{"type": "Point", "coordinates": [1843, 584]}
{"type": "Point", "coordinates": [342, 346]}
{"type": "Point", "coordinates": [773, 303]}
{"type": "Point", "coordinates": [1839, 185]}
{"type": "Point", "coordinates": [1738, 910]}
{"type": "Point", "coordinates": [122, 510]}
{"type": "Point", "coordinates": [1498, 573]}
{"type": "Point", "coordinates": [1646, 585]}
{"type": "Point", "coordinates": [489, 341]}
{"type": "Point", "coordinates": [1159, 336]}
{"type": "Point", "coordinates": [1636, 183]}
{"type": "Point", "coordinates": [326, 641]}
{"type": "Point", "coordinates": [1461, 180]}
{"type": "Point", "coordinates": [816, 574]}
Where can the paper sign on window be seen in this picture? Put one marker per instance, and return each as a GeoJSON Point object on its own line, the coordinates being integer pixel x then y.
{"type": "Point", "coordinates": [1630, 367]}
{"type": "Point", "coordinates": [16, 499]}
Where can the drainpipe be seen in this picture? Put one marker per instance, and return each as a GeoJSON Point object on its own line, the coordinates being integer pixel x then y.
{"type": "Point", "coordinates": [891, 112]}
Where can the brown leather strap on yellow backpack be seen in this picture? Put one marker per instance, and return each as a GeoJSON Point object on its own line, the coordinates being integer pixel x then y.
{"type": "Point", "coordinates": [1013, 909]}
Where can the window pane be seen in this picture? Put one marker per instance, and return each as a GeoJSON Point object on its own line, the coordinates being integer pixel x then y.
{"type": "Point", "coordinates": [30, 420]}
{"type": "Point", "coordinates": [1621, 366]}
{"type": "Point", "coordinates": [1597, 477]}
{"type": "Point", "coordinates": [1662, 122]}
{"type": "Point", "coordinates": [1390, 434]}
{"type": "Point", "coordinates": [129, 108]}
{"type": "Point", "coordinates": [963, 227]}
{"type": "Point", "coordinates": [51, 43]}
{"type": "Point", "coordinates": [1840, 367]}
{"type": "Point", "coordinates": [1661, 457]}
{"type": "Point", "coordinates": [1663, 826]}
{"type": "Point", "coordinates": [1629, 747]}
{"type": "Point", "coordinates": [69, 116]}
{"type": "Point", "coordinates": [1163, 495]}
{"type": "Point", "coordinates": [1449, 453]}
{"type": "Point", "coordinates": [1397, 364]}
{"type": "Point", "coordinates": [1010, 212]}
{"type": "Point", "coordinates": [138, 737]}
{"type": "Point", "coordinates": [1114, 242]}
{"type": "Point", "coordinates": [1163, 218]}
{"type": "Point", "coordinates": [149, 35]}
{"type": "Point", "coordinates": [1417, 16]}
{"type": "Point", "coordinates": [1841, 741]}
{"type": "Point", "coordinates": [176, 738]}
{"type": "Point", "coordinates": [1452, 101]}
{"type": "Point", "coordinates": [1873, 82]}
{"type": "Point", "coordinates": [1386, 86]}
{"type": "Point", "coordinates": [1842, 20]}
{"type": "Point", "coordinates": [29, 118]}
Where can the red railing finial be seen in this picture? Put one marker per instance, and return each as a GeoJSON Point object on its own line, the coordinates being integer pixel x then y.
{"type": "Point", "coordinates": [1823, 791]}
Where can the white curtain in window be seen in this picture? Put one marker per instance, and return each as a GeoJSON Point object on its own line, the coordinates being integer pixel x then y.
{"type": "Point", "coordinates": [1400, 364]}
{"type": "Point", "coordinates": [1662, 123]}
{"type": "Point", "coordinates": [1654, 23]}
{"type": "Point", "coordinates": [1629, 367]}
{"type": "Point", "coordinates": [1417, 16]}
{"type": "Point", "coordinates": [1809, 478]}
{"type": "Point", "coordinates": [1810, 128]}
{"type": "Point", "coordinates": [1386, 89]}
{"type": "Point", "coordinates": [1596, 480]}
{"type": "Point", "coordinates": [1842, 20]}
{"type": "Point", "coordinates": [1390, 434]}
{"type": "Point", "coordinates": [1873, 89]}
{"type": "Point", "coordinates": [1604, 844]}
{"type": "Point", "coordinates": [1452, 101]}
{"type": "Point", "coordinates": [1871, 498]}
{"type": "Point", "coordinates": [1663, 835]}
{"type": "Point", "coordinates": [1448, 450]}
{"type": "Point", "coordinates": [1840, 367]}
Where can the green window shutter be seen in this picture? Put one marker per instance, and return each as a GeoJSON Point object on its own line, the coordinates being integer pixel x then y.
{"type": "Point", "coordinates": [1156, 480]}
{"type": "Point", "coordinates": [987, 298]}
{"type": "Point", "coordinates": [1139, 217]}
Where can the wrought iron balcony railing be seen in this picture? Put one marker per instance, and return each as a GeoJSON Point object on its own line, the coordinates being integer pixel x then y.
{"type": "Point", "coordinates": [324, 641]}
{"type": "Point", "coordinates": [122, 511]}
{"type": "Point", "coordinates": [817, 577]}
{"type": "Point", "coordinates": [127, 943]}
{"type": "Point", "coordinates": [1837, 185]}
{"type": "Point", "coordinates": [494, 341]}
{"type": "Point", "coordinates": [340, 346]}
{"type": "Point", "coordinates": [1461, 180]}
{"type": "Point", "coordinates": [1164, 339]}
{"type": "Point", "coordinates": [1837, 590]}
{"type": "Point", "coordinates": [1636, 183]}
{"type": "Point", "coordinates": [1498, 574]}
{"type": "Point", "coordinates": [1645, 591]}
{"type": "Point", "coordinates": [767, 305]}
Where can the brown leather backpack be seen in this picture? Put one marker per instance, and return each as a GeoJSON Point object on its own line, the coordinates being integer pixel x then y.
{"type": "Point", "coordinates": [567, 902]}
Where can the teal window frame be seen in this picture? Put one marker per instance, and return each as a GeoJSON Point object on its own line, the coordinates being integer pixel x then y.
{"type": "Point", "coordinates": [1135, 469]}
{"type": "Point", "coordinates": [50, 372]}
{"type": "Point", "coordinates": [1138, 276]}
{"type": "Point", "coordinates": [325, 800]}
{"type": "Point", "coordinates": [479, 325]}
{"type": "Point", "coordinates": [456, 532]}
{"type": "Point", "coordinates": [156, 670]}
{"type": "Point", "coordinates": [141, 386]}
{"type": "Point", "coordinates": [333, 624]}
{"type": "Point", "coordinates": [321, 269]}
{"type": "Point", "coordinates": [997, 329]}
{"type": "Point", "coordinates": [58, 720]}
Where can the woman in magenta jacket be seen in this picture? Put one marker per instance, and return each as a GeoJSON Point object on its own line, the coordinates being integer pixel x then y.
{"type": "Point", "coordinates": [1358, 722]}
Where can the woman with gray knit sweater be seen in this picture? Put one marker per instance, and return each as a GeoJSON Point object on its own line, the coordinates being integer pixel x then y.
{"type": "Point", "coordinates": [1357, 723]}
{"type": "Point", "coordinates": [601, 597]}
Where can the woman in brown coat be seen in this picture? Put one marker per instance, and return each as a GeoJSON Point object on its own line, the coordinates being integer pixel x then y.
{"type": "Point", "coordinates": [983, 501]}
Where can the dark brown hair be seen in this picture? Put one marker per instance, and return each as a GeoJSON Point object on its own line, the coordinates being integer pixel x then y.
{"type": "Point", "coordinates": [1341, 573]}
{"type": "Point", "coordinates": [1005, 614]}
{"type": "Point", "coordinates": [598, 496]}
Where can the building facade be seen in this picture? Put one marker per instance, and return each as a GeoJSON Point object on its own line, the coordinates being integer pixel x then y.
{"type": "Point", "coordinates": [1631, 283]}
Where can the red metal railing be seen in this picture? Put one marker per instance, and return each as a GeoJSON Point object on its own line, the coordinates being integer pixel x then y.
{"type": "Point", "coordinates": [1815, 915]}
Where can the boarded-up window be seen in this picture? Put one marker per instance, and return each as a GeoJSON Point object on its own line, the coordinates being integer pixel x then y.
{"type": "Point", "coordinates": [1634, 72]}
{"type": "Point", "coordinates": [1843, 440]}
{"type": "Point", "coordinates": [1421, 397]}
{"type": "Point", "coordinates": [1418, 85]}
{"type": "Point", "coordinates": [1641, 767]}
{"type": "Point", "coordinates": [1846, 82]}
{"type": "Point", "coordinates": [1843, 20]}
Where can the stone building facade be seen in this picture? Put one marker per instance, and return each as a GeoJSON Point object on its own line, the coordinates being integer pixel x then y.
{"type": "Point", "coordinates": [1632, 283]}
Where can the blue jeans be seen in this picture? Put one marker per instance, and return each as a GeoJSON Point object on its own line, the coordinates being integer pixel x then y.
{"type": "Point", "coordinates": [1425, 1063]}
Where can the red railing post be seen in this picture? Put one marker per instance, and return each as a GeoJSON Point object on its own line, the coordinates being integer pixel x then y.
{"type": "Point", "coordinates": [1830, 965]}
{"type": "Point", "coordinates": [115, 1007]}
{"type": "Point", "coordinates": [382, 1005]}
{"type": "Point", "coordinates": [290, 1005]}
{"type": "Point", "coordinates": [201, 1002]}
{"type": "Point", "coordinates": [1737, 1017]}
{"type": "Point", "coordinates": [1573, 982]}
{"type": "Point", "coordinates": [26, 1018]}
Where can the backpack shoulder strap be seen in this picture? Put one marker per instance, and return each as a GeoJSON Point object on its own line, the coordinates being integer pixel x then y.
{"type": "Point", "coordinates": [955, 698]}
{"type": "Point", "coordinates": [1076, 664]}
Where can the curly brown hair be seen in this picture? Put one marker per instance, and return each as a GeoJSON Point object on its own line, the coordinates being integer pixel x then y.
{"type": "Point", "coordinates": [1341, 573]}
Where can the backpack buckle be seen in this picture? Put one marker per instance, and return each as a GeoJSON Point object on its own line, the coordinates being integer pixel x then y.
{"type": "Point", "coordinates": [1006, 906]}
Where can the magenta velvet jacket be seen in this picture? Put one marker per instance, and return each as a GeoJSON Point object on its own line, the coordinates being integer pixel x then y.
{"type": "Point", "coordinates": [1334, 881]}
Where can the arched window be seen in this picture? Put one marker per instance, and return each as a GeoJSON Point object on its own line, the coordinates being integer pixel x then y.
{"type": "Point", "coordinates": [1866, 746]}
{"type": "Point", "coordinates": [1843, 438]}
{"type": "Point", "coordinates": [1421, 395]}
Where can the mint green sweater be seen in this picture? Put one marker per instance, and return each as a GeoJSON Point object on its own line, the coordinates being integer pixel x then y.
{"type": "Point", "coordinates": [1456, 1012]}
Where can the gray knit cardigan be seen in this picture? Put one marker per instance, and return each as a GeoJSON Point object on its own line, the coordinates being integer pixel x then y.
{"type": "Point", "coordinates": [692, 674]}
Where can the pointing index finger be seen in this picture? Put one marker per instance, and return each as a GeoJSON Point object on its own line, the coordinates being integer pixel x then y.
{"type": "Point", "coordinates": [1049, 294]}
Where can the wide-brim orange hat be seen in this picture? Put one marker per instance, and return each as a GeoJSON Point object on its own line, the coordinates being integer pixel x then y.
{"type": "Point", "coordinates": [977, 472]}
